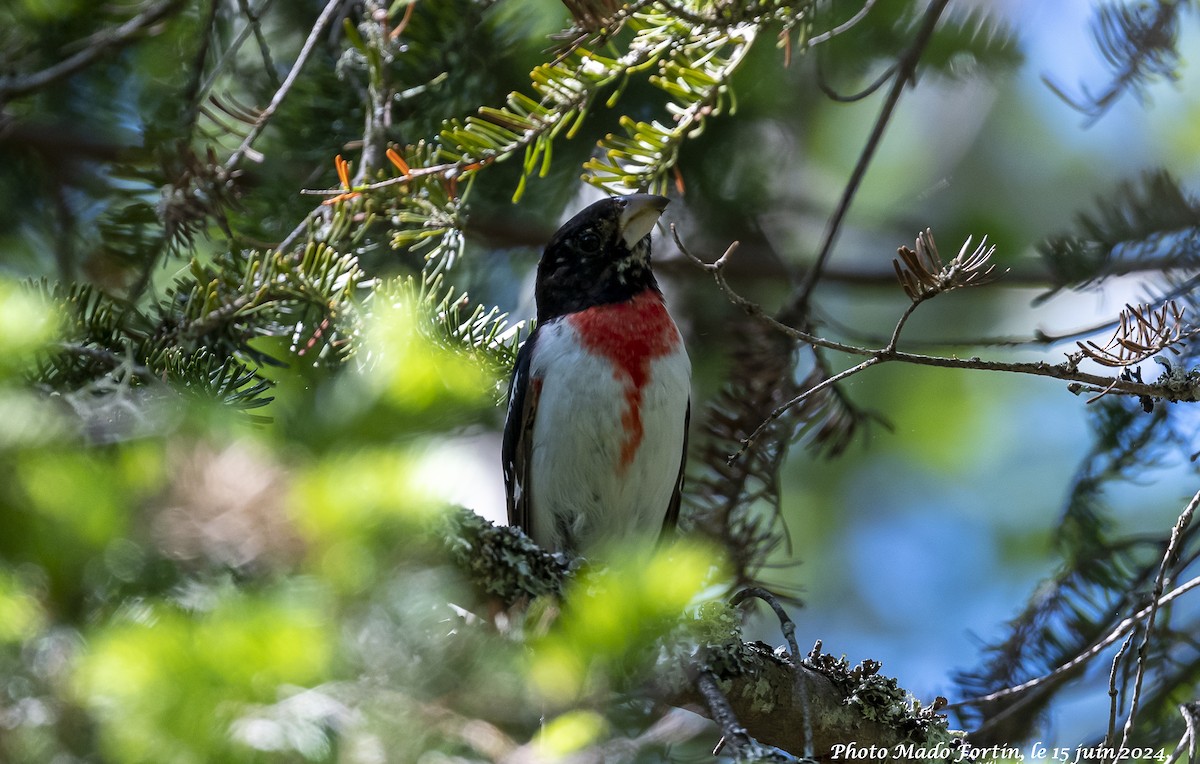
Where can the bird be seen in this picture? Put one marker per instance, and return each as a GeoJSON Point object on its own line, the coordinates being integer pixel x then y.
{"type": "Point", "coordinates": [595, 437]}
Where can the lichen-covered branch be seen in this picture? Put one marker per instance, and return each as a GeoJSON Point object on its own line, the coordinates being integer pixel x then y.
{"type": "Point", "coordinates": [803, 706]}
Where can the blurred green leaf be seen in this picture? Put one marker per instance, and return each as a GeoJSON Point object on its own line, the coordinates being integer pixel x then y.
{"type": "Point", "coordinates": [614, 615]}
{"type": "Point", "coordinates": [356, 509]}
{"type": "Point", "coordinates": [75, 495]}
{"type": "Point", "coordinates": [166, 684]}
{"type": "Point", "coordinates": [570, 732]}
{"type": "Point", "coordinates": [28, 323]}
{"type": "Point", "coordinates": [21, 612]}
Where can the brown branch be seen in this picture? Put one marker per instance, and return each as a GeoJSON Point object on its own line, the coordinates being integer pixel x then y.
{"type": "Point", "coordinates": [1188, 743]}
{"type": "Point", "coordinates": [1066, 371]}
{"type": "Point", "coordinates": [733, 734]}
{"type": "Point", "coordinates": [797, 694]}
{"type": "Point", "coordinates": [786, 624]}
{"type": "Point", "coordinates": [1112, 689]}
{"type": "Point", "coordinates": [254, 24]}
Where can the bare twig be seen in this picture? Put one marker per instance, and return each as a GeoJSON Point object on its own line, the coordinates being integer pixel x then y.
{"type": "Point", "coordinates": [1112, 690]}
{"type": "Point", "coordinates": [905, 72]}
{"type": "Point", "coordinates": [1141, 332]}
{"type": "Point", "coordinates": [1066, 371]}
{"type": "Point", "coordinates": [733, 734]}
{"type": "Point", "coordinates": [717, 270]}
{"type": "Point", "coordinates": [229, 54]}
{"type": "Point", "coordinates": [796, 401]}
{"type": "Point", "coordinates": [254, 24]}
{"type": "Point", "coordinates": [788, 626]}
{"type": "Point", "coordinates": [1191, 736]}
{"type": "Point", "coordinates": [1039, 337]}
{"type": "Point", "coordinates": [192, 95]}
{"type": "Point", "coordinates": [844, 26]}
{"type": "Point", "coordinates": [858, 95]}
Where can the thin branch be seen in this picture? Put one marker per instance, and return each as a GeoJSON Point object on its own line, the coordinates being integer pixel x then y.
{"type": "Point", "coordinates": [449, 169]}
{"type": "Point", "coordinates": [309, 45]}
{"type": "Point", "coordinates": [1039, 337]}
{"type": "Point", "coordinates": [1066, 371]}
{"type": "Point", "coordinates": [229, 55]}
{"type": "Point", "coordinates": [1112, 690]}
{"type": "Point", "coordinates": [752, 309]}
{"type": "Point", "coordinates": [1191, 716]}
{"type": "Point", "coordinates": [1170, 557]}
{"type": "Point", "coordinates": [908, 311]}
{"type": "Point", "coordinates": [96, 45]}
{"type": "Point", "coordinates": [786, 624]}
{"type": "Point", "coordinates": [753, 437]}
{"type": "Point", "coordinates": [844, 26]}
{"type": "Point", "coordinates": [904, 74]}
{"type": "Point", "coordinates": [192, 95]}
{"type": "Point", "coordinates": [733, 734]}
{"type": "Point", "coordinates": [865, 92]}
{"type": "Point", "coordinates": [254, 24]}
{"type": "Point", "coordinates": [1062, 371]}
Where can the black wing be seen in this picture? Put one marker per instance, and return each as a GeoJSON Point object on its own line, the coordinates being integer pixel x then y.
{"type": "Point", "coordinates": [523, 393]}
{"type": "Point", "coordinates": [673, 507]}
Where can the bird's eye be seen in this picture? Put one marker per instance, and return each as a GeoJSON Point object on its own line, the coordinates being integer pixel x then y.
{"type": "Point", "coordinates": [588, 241]}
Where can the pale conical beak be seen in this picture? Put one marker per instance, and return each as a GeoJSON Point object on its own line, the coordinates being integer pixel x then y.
{"type": "Point", "coordinates": [639, 213]}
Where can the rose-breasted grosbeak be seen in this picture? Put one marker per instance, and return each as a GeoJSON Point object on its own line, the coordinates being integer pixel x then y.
{"type": "Point", "coordinates": [599, 402]}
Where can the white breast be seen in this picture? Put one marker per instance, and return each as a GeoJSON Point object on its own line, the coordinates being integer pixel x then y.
{"type": "Point", "coordinates": [583, 492]}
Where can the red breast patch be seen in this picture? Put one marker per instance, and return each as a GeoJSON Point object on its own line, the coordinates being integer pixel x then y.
{"type": "Point", "coordinates": [631, 335]}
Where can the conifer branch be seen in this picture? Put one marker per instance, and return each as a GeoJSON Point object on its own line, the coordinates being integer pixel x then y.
{"type": "Point", "coordinates": [1145, 226]}
{"type": "Point", "coordinates": [697, 80]}
{"type": "Point", "coordinates": [451, 320]}
{"type": "Point", "coordinates": [1123, 628]}
{"type": "Point", "coordinates": [1141, 333]}
{"type": "Point", "coordinates": [1140, 43]}
{"type": "Point", "coordinates": [198, 338]}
